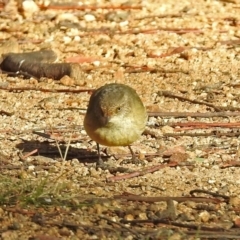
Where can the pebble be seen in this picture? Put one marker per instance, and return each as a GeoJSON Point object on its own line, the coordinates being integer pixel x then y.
{"type": "Point", "coordinates": [89, 18]}
{"type": "Point", "coordinates": [204, 216]}
{"type": "Point", "coordinates": [29, 7]}
{"type": "Point", "coordinates": [66, 17]}
{"type": "Point", "coordinates": [129, 217]}
{"type": "Point", "coordinates": [67, 81]}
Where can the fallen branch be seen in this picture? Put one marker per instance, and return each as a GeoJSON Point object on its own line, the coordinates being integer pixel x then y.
{"type": "Point", "coordinates": [163, 199]}
{"type": "Point", "coordinates": [63, 6]}
{"type": "Point", "coordinates": [140, 173]}
{"type": "Point", "coordinates": [172, 223]}
{"type": "Point", "coordinates": [21, 89]}
{"type": "Point", "coordinates": [206, 125]}
{"type": "Point", "coordinates": [193, 114]}
{"type": "Point", "coordinates": [217, 108]}
{"type": "Point", "coordinates": [234, 163]}
{"type": "Point", "coordinates": [214, 194]}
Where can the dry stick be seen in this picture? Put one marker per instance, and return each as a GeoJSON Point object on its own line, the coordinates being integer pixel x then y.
{"type": "Point", "coordinates": [205, 125]}
{"type": "Point", "coordinates": [163, 199]}
{"type": "Point", "coordinates": [11, 167]}
{"type": "Point", "coordinates": [162, 16]}
{"type": "Point", "coordinates": [10, 89]}
{"type": "Point", "coordinates": [178, 224]}
{"type": "Point", "coordinates": [140, 173]}
{"type": "Point", "coordinates": [223, 125]}
{"type": "Point", "coordinates": [193, 114]}
{"type": "Point", "coordinates": [137, 69]}
{"type": "Point", "coordinates": [121, 225]}
{"type": "Point", "coordinates": [214, 194]}
{"type": "Point", "coordinates": [214, 133]}
{"type": "Point", "coordinates": [157, 30]}
{"type": "Point", "coordinates": [231, 164]}
{"type": "Point", "coordinates": [6, 113]}
{"type": "Point", "coordinates": [29, 154]}
{"type": "Point", "coordinates": [89, 7]}
{"type": "Point", "coordinates": [217, 108]}
{"type": "Point", "coordinates": [214, 234]}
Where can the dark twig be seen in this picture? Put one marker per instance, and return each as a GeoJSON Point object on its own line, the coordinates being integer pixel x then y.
{"type": "Point", "coordinates": [194, 114]}
{"type": "Point", "coordinates": [206, 125]}
{"type": "Point", "coordinates": [90, 7]}
{"type": "Point", "coordinates": [123, 226]}
{"type": "Point", "coordinates": [172, 223]}
{"type": "Point", "coordinates": [232, 234]}
{"type": "Point", "coordinates": [213, 133]}
{"type": "Point", "coordinates": [163, 199]}
{"type": "Point", "coordinates": [6, 113]}
{"type": "Point", "coordinates": [140, 173]}
{"type": "Point", "coordinates": [23, 157]}
{"type": "Point", "coordinates": [209, 193]}
{"type": "Point", "coordinates": [21, 89]}
{"type": "Point", "coordinates": [217, 108]}
{"type": "Point", "coordinates": [233, 163]}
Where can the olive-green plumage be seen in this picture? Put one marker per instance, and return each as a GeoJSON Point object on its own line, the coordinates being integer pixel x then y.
{"type": "Point", "coordinates": [115, 116]}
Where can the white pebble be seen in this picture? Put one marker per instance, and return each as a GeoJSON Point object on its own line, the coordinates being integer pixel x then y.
{"type": "Point", "coordinates": [66, 39]}
{"type": "Point", "coordinates": [89, 18]}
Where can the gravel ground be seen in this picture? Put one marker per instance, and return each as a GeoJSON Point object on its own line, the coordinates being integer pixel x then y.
{"type": "Point", "coordinates": [182, 58]}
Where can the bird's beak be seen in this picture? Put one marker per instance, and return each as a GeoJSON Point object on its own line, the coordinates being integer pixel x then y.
{"type": "Point", "coordinates": [106, 119]}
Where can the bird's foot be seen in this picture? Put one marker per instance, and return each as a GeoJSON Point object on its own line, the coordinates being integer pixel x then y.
{"type": "Point", "coordinates": [101, 164]}
{"type": "Point", "coordinates": [133, 160]}
{"type": "Point", "coordinates": [110, 168]}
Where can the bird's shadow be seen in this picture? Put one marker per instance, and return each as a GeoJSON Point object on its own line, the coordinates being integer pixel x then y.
{"type": "Point", "coordinates": [51, 150]}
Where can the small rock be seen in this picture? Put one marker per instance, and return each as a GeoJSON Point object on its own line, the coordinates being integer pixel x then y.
{"type": "Point", "coordinates": [98, 208]}
{"type": "Point", "coordinates": [89, 18]}
{"type": "Point", "coordinates": [175, 236]}
{"type": "Point", "coordinates": [67, 81]}
{"type": "Point", "coordinates": [142, 216]}
{"type": "Point", "coordinates": [204, 216]}
{"type": "Point", "coordinates": [42, 159]}
{"type": "Point", "coordinates": [67, 40]}
{"type": "Point", "coordinates": [64, 232]}
{"type": "Point", "coordinates": [66, 17]}
{"type": "Point", "coordinates": [235, 202]}
{"type": "Point", "coordinates": [129, 217]}
{"type": "Point", "coordinates": [29, 8]}
{"type": "Point", "coordinates": [237, 222]}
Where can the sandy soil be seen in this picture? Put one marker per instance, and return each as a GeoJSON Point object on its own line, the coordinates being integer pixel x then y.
{"type": "Point", "coordinates": [181, 57]}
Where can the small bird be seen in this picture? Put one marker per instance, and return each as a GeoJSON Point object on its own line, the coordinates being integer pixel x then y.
{"type": "Point", "coordinates": [115, 116]}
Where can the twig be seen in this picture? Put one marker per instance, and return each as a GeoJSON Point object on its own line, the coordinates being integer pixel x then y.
{"type": "Point", "coordinates": [21, 89]}
{"type": "Point", "coordinates": [137, 69]}
{"type": "Point", "coordinates": [163, 199]}
{"type": "Point", "coordinates": [206, 125]}
{"type": "Point", "coordinates": [234, 234]}
{"type": "Point", "coordinates": [214, 194]}
{"type": "Point", "coordinates": [89, 7]}
{"type": "Point", "coordinates": [6, 113]}
{"type": "Point", "coordinates": [194, 114]}
{"type": "Point", "coordinates": [231, 164]}
{"type": "Point", "coordinates": [172, 95]}
{"type": "Point", "coordinates": [140, 173]}
{"type": "Point", "coordinates": [213, 133]}
{"type": "Point", "coordinates": [178, 224]}
{"type": "Point", "coordinates": [123, 226]}
{"type": "Point", "coordinates": [29, 154]}
{"type": "Point", "coordinates": [162, 16]}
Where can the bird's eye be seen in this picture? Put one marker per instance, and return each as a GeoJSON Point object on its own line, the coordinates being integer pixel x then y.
{"type": "Point", "coordinates": [118, 109]}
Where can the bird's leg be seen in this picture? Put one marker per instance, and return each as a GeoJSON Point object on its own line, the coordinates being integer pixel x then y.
{"type": "Point", "coordinates": [99, 161]}
{"type": "Point", "coordinates": [134, 158]}
{"type": "Point", "coordinates": [103, 166]}
{"type": "Point", "coordinates": [133, 154]}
